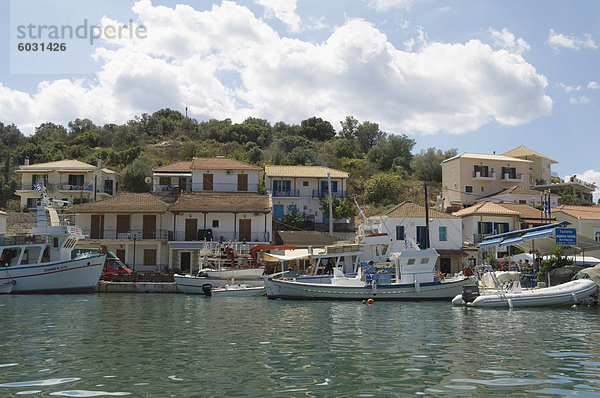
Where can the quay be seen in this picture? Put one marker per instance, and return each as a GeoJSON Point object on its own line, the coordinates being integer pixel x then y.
{"type": "Point", "coordinates": [135, 287]}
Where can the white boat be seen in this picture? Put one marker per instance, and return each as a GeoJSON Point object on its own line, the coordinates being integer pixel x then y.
{"type": "Point", "coordinates": [564, 294]}
{"type": "Point", "coordinates": [202, 285]}
{"type": "Point", "coordinates": [233, 273]}
{"type": "Point", "coordinates": [410, 275]}
{"type": "Point", "coordinates": [41, 262]}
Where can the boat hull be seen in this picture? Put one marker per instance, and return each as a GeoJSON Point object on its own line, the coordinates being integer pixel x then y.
{"type": "Point", "coordinates": [565, 294]}
{"type": "Point", "coordinates": [243, 273]}
{"type": "Point", "coordinates": [299, 290]}
{"type": "Point", "coordinates": [239, 291]}
{"type": "Point", "coordinates": [78, 275]}
{"type": "Point", "coordinates": [193, 284]}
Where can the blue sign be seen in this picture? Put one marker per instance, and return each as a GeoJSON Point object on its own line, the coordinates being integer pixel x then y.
{"type": "Point", "coordinates": [566, 236]}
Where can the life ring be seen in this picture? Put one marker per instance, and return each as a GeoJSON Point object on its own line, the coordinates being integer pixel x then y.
{"type": "Point", "coordinates": [467, 271]}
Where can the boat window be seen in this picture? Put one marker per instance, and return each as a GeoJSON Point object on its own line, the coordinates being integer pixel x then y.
{"type": "Point", "coordinates": [410, 261]}
{"type": "Point", "coordinates": [377, 250]}
{"type": "Point", "coordinates": [55, 242]}
{"type": "Point", "coordinates": [424, 260]}
{"type": "Point", "coordinates": [384, 250]}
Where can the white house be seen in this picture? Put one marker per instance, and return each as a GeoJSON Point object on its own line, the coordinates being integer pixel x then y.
{"type": "Point", "coordinates": [221, 174]}
{"type": "Point", "coordinates": [406, 221]}
{"type": "Point", "coordinates": [298, 188]}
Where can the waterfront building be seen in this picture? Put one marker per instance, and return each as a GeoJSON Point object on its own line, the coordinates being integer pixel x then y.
{"type": "Point", "coordinates": [542, 178]}
{"type": "Point", "coordinates": [135, 226]}
{"type": "Point", "coordinates": [406, 222]}
{"type": "Point", "coordinates": [67, 181]}
{"type": "Point", "coordinates": [299, 188]}
{"type": "Point", "coordinates": [470, 176]}
{"type": "Point", "coordinates": [520, 195]}
{"type": "Point", "coordinates": [586, 219]}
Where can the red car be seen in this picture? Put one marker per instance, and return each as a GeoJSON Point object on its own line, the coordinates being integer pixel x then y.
{"type": "Point", "coordinates": [114, 266]}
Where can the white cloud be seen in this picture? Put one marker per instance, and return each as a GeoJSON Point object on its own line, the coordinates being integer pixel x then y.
{"type": "Point", "coordinates": [507, 40]}
{"type": "Point", "coordinates": [593, 86]}
{"type": "Point", "coordinates": [227, 63]}
{"type": "Point", "coordinates": [568, 89]}
{"type": "Point", "coordinates": [558, 40]}
{"type": "Point", "coordinates": [579, 100]}
{"type": "Point", "coordinates": [284, 10]}
{"type": "Point", "coordinates": [385, 5]}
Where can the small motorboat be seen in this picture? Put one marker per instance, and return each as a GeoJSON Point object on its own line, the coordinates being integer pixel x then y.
{"type": "Point", "coordinates": [218, 287]}
{"type": "Point", "coordinates": [240, 290]}
{"type": "Point", "coordinates": [564, 294]}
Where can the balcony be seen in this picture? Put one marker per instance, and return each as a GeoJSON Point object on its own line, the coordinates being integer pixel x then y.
{"type": "Point", "coordinates": [222, 236]}
{"type": "Point", "coordinates": [517, 177]}
{"type": "Point", "coordinates": [481, 176]}
{"type": "Point", "coordinates": [169, 236]}
{"type": "Point", "coordinates": [293, 193]}
{"type": "Point", "coordinates": [224, 187]}
{"type": "Point", "coordinates": [63, 188]}
{"type": "Point", "coordinates": [317, 193]}
{"type": "Point", "coordinates": [139, 234]}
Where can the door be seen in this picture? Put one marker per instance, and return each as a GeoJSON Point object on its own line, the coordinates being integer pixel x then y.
{"type": "Point", "coordinates": [149, 227]}
{"type": "Point", "coordinates": [123, 225]}
{"type": "Point", "coordinates": [207, 182]}
{"type": "Point", "coordinates": [121, 255]}
{"type": "Point", "coordinates": [277, 212]}
{"type": "Point", "coordinates": [186, 260]}
{"type": "Point", "coordinates": [97, 227]}
{"type": "Point", "coordinates": [150, 257]}
{"type": "Point", "coordinates": [422, 237]}
{"type": "Point", "coordinates": [245, 230]}
{"type": "Point", "coordinates": [292, 208]}
{"type": "Point", "coordinates": [242, 182]}
{"type": "Point", "coordinates": [182, 184]}
{"type": "Point", "coordinates": [445, 265]}
{"type": "Point", "coordinates": [191, 229]}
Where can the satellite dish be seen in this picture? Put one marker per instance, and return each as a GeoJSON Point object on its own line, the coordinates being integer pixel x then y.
{"type": "Point", "coordinates": [148, 180]}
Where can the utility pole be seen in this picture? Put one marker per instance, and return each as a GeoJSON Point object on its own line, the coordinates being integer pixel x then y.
{"type": "Point", "coordinates": [426, 218]}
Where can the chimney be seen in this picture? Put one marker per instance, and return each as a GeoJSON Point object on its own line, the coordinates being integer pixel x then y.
{"type": "Point", "coordinates": [26, 163]}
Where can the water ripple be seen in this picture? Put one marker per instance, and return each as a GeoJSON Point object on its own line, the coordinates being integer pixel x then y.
{"type": "Point", "coordinates": [47, 382]}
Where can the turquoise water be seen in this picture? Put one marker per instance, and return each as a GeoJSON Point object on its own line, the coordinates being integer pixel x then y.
{"type": "Point", "coordinates": [153, 345]}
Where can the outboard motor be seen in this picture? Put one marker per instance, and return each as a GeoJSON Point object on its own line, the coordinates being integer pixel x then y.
{"type": "Point", "coordinates": [470, 293]}
{"type": "Point", "coordinates": [207, 289]}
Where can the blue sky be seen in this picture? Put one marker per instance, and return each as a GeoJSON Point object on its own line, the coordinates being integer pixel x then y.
{"type": "Point", "coordinates": [479, 76]}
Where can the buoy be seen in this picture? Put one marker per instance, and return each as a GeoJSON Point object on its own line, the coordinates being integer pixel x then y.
{"type": "Point", "coordinates": [370, 301]}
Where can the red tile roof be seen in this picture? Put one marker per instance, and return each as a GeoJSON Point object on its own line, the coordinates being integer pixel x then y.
{"type": "Point", "coordinates": [221, 163]}
{"type": "Point", "coordinates": [224, 203]}
{"type": "Point", "coordinates": [413, 210]}
{"type": "Point", "coordinates": [184, 166]}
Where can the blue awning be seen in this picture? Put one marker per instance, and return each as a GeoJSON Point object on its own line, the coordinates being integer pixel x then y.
{"type": "Point", "coordinates": [511, 241]}
{"type": "Point", "coordinates": [490, 242]}
{"type": "Point", "coordinates": [538, 234]}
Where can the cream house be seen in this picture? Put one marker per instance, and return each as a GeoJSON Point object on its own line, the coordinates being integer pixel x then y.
{"type": "Point", "coordinates": [540, 167]}
{"type": "Point", "coordinates": [486, 218]}
{"type": "Point", "coordinates": [135, 226]}
{"type": "Point", "coordinates": [471, 176]}
{"type": "Point", "coordinates": [69, 181]}
{"type": "Point", "coordinates": [586, 219]}
{"type": "Point", "coordinates": [221, 174]}
{"type": "Point", "coordinates": [298, 188]}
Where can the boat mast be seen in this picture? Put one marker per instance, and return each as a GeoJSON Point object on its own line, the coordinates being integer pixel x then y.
{"type": "Point", "coordinates": [426, 218]}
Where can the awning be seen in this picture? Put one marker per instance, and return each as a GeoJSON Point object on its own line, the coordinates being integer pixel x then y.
{"type": "Point", "coordinates": [521, 235]}
{"type": "Point", "coordinates": [301, 254]}
{"type": "Point", "coordinates": [538, 234]}
{"type": "Point", "coordinates": [511, 241]}
{"type": "Point", "coordinates": [181, 174]}
{"type": "Point", "coordinates": [490, 242]}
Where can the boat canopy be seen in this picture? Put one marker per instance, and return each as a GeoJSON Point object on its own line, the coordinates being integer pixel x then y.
{"type": "Point", "coordinates": [521, 235]}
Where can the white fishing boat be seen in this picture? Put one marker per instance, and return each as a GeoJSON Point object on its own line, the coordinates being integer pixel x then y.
{"type": "Point", "coordinates": [206, 286]}
{"type": "Point", "coordinates": [409, 275]}
{"type": "Point", "coordinates": [512, 295]}
{"type": "Point", "coordinates": [41, 262]}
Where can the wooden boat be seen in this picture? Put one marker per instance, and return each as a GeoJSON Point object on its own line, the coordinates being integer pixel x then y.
{"type": "Point", "coordinates": [410, 275]}
{"type": "Point", "coordinates": [41, 261]}
{"type": "Point", "coordinates": [202, 285]}
{"type": "Point", "coordinates": [565, 294]}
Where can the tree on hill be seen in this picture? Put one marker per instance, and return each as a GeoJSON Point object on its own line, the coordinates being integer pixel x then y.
{"type": "Point", "coordinates": [427, 165]}
{"type": "Point", "coordinates": [317, 129]}
{"type": "Point", "coordinates": [393, 150]}
{"type": "Point", "coordinates": [133, 175]}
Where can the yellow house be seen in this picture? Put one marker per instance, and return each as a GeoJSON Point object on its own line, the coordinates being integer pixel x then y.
{"type": "Point", "coordinates": [68, 181]}
{"type": "Point", "coordinates": [586, 219]}
{"type": "Point", "coordinates": [470, 176]}
{"type": "Point", "coordinates": [540, 167]}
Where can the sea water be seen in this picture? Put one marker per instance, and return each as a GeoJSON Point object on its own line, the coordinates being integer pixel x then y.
{"type": "Point", "coordinates": [175, 345]}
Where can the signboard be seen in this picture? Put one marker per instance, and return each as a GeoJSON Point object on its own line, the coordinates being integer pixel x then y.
{"type": "Point", "coordinates": [566, 236]}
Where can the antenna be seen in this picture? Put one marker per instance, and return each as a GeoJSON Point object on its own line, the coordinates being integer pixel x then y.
{"type": "Point", "coordinates": [148, 180]}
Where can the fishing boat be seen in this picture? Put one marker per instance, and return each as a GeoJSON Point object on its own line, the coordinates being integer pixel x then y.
{"type": "Point", "coordinates": [409, 275]}
{"type": "Point", "coordinates": [41, 262]}
{"type": "Point", "coordinates": [202, 285]}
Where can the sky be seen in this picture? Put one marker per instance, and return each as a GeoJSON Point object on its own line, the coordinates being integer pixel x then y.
{"type": "Point", "coordinates": [480, 76]}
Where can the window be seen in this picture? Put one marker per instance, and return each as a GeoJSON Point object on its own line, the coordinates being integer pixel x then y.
{"type": "Point", "coordinates": [31, 203]}
{"type": "Point", "coordinates": [164, 181]}
{"type": "Point", "coordinates": [410, 261]}
{"type": "Point", "coordinates": [443, 234]}
{"type": "Point", "coordinates": [215, 223]}
{"type": "Point", "coordinates": [304, 183]}
{"type": "Point", "coordinates": [484, 227]}
{"type": "Point", "coordinates": [399, 232]}
{"type": "Point", "coordinates": [424, 260]}
{"type": "Point", "coordinates": [482, 189]}
{"type": "Point", "coordinates": [469, 189]}
{"type": "Point", "coordinates": [207, 182]}
{"type": "Point", "coordinates": [76, 180]}
{"type": "Point", "coordinates": [149, 256]}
